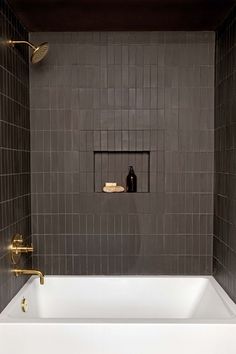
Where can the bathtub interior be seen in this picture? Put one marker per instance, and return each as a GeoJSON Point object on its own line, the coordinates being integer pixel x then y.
{"type": "Point", "coordinates": [121, 298]}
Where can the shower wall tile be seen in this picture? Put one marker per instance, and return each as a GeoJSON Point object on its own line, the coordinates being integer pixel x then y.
{"type": "Point", "coordinates": [225, 154]}
{"type": "Point", "coordinates": [14, 149]}
{"type": "Point", "coordinates": [111, 92]}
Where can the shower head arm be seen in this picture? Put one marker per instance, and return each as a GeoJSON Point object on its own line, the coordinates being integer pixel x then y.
{"type": "Point", "coordinates": [12, 43]}
{"type": "Point", "coordinates": [39, 51]}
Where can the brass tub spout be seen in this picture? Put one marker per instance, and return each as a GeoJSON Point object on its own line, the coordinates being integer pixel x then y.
{"type": "Point", "coordinates": [18, 272]}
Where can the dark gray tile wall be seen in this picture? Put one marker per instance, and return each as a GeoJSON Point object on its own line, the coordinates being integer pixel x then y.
{"type": "Point", "coordinates": [14, 149]}
{"type": "Point", "coordinates": [123, 92]}
{"type": "Point", "coordinates": [225, 157]}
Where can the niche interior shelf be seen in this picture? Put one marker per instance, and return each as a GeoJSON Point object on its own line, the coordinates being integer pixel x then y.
{"type": "Point", "coordinates": [113, 166]}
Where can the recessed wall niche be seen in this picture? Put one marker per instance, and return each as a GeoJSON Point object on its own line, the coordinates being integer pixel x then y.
{"type": "Point", "coordinates": [113, 166]}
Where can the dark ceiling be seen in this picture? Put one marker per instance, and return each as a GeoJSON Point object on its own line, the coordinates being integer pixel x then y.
{"type": "Point", "coordinates": [120, 15]}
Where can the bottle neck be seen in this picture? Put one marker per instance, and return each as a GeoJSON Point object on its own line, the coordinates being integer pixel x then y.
{"type": "Point", "coordinates": [131, 170]}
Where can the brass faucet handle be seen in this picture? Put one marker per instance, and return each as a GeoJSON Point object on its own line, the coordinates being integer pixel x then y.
{"type": "Point", "coordinates": [17, 247]}
{"type": "Point", "coordinates": [23, 249]}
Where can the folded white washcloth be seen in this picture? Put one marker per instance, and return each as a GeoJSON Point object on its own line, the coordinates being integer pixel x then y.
{"type": "Point", "coordinates": [113, 189]}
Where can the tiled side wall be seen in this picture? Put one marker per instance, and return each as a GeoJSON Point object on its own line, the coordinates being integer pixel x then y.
{"type": "Point", "coordinates": [225, 157]}
{"type": "Point", "coordinates": [123, 92]}
{"type": "Point", "coordinates": [14, 148]}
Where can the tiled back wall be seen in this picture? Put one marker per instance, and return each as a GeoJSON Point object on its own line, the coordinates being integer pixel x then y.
{"type": "Point", "coordinates": [121, 92]}
{"type": "Point", "coordinates": [14, 149]}
{"type": "Point", "coordinates": [225, 157]}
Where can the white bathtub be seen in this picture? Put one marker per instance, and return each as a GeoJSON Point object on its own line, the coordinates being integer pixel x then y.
{"type": "Point", "coordinates": [120, 315]}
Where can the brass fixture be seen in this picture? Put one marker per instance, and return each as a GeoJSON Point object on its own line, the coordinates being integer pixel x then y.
{"type": "Point", "coordinates": [17, 247]}
{"type": "Point", "coordinates": [18, 272]}
{"type": "Point", "coordinates": [39, 52]}
{"type": "Point", "coordinates": [24, 305]}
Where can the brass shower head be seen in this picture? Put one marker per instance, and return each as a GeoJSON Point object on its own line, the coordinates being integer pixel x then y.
{"type": "Point", "coordinates": [39, 52]}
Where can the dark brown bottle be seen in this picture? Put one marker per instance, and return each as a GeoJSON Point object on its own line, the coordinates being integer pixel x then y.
{"type": "Point", "coordinates": [131, 181]}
